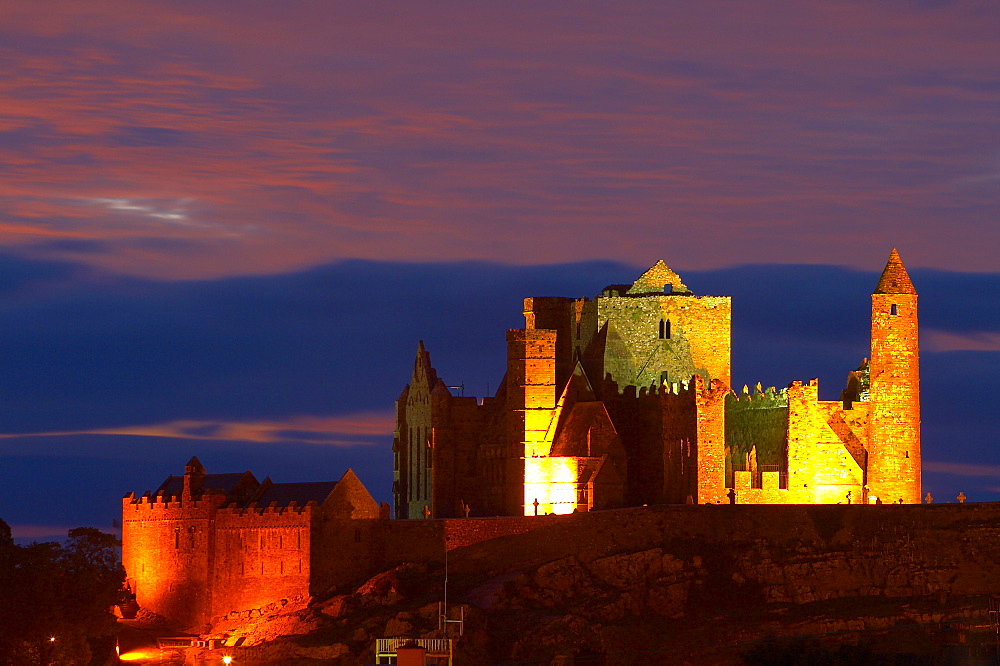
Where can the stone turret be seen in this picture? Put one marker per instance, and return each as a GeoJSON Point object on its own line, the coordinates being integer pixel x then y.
{"type": "Point", "coordinates": [194, 479]}
{"type": "Point", "coordinates": [894, 419]}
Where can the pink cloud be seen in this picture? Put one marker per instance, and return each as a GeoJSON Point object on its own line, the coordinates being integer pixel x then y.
{"type": "Point", "coordinates": [962, 469]}
{"type": "Point", "coordinates": [943, 341]}
{"type": "Point", "coordinates": [792, 132]}
{"type": "Point", "coordinates": [328, 431]}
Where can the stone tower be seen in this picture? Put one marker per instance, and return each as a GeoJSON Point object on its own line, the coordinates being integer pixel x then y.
{"type": "Point", "coordinates": [894, 416]}
{"type": "Point", "coordinates": [531, 399]}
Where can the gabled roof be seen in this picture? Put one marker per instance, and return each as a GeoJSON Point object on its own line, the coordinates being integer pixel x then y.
{"type": "Point", "coordinates": [350, 499]}
{"type": "Point", "coordinates": [174, 485]}
{"type": "Point", "coordinates": [657, 277]}
{"type": "Point", "coordinates": [425, 378]}
{"type": "Point", "coordinates": [300, 493]}
{"type": "Point", "coordinates": [895, 279]}
{"type": "Point", "coordinates": [573, 438]}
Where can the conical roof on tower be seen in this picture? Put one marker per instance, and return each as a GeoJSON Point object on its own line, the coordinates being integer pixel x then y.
{"type": "Point", "coordinates": [895, 279]}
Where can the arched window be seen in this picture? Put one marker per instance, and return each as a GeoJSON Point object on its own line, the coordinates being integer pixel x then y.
{"type": "Point", "coordinates": [893, 310]}
{"type": "Point", "coordinates": [664, 329]}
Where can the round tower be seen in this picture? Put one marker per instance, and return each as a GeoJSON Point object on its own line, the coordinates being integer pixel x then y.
{"type": "Point", "coordinates": [894, 403]}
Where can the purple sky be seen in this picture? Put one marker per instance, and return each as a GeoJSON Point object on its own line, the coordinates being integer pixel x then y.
{"type": "Point", "coordinates": [161, 163]}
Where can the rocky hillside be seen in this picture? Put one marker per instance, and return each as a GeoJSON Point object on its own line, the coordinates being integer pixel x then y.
{"type": "Point", "coordinates": [692, 585]}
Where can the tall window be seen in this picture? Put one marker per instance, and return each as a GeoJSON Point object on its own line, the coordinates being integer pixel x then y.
{"type": "Point", "coordinates": [664, 329]}
{"type": "Point", "coordinates": [892, 310]}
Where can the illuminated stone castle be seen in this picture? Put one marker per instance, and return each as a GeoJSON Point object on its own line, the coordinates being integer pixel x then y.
{"type": "Point", "coordinates": [204, 546]}
{"type": "Point", "coordinates": [617, 401]}
{"type": "Point", "coordinates": [625, 399]}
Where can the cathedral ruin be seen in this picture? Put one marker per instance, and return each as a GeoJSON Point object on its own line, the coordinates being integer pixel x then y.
{"type": "Point", "coordinates": [625, 399]}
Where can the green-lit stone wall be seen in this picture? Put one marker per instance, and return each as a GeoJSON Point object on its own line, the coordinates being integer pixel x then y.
{"type": "Point", "coordinates": [759, 420]}
{"type": "Point", "coordinates": [637, 353]}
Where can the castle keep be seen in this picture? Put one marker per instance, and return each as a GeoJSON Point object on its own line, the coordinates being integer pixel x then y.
{"type": "Point", "coordinates": [625, 399]}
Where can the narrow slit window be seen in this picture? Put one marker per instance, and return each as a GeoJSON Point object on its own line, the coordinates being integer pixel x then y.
{"type": "Point", "coordinates": [664, 329]}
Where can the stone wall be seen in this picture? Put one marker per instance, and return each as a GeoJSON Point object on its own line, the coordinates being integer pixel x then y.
{"type": "Point", "coordinates": [261, 556]}
{"type": "Point", "coordinates": [820, 468]}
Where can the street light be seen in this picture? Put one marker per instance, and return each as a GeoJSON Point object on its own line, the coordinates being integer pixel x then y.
{"type": "Point", "coordinates": [227, 659]}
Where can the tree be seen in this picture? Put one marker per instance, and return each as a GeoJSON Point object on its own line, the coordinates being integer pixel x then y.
{"type": "Point", "coordinates": [61, 592]}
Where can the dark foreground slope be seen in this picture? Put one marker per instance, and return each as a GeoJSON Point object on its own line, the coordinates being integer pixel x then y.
{"type": "Point", "coordinates": [691, 584]}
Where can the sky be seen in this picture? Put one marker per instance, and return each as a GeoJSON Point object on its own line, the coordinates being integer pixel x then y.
{"type": "Point", "coordinates": [224, 227]}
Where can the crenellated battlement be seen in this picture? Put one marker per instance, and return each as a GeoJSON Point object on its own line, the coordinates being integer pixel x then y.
{"type": "Point", "coordinates": [759, 397]}
{"type": "Point", "coordinates": [685, 389]}
{"type": "Point", "coordinates": [272, 510]}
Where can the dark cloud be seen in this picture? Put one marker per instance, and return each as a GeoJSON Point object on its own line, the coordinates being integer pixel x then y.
{"type": "Point", "coordinates": [268, 372]}
{"type": "Point", "coordinates": [72, 246]}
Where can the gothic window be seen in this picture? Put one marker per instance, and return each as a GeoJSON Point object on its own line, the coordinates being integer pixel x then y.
{"type": "Point", "coordinates": [664, 329]}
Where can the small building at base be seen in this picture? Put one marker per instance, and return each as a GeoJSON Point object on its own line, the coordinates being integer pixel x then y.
{"type": "Point", "coordinates": [206, 545]}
